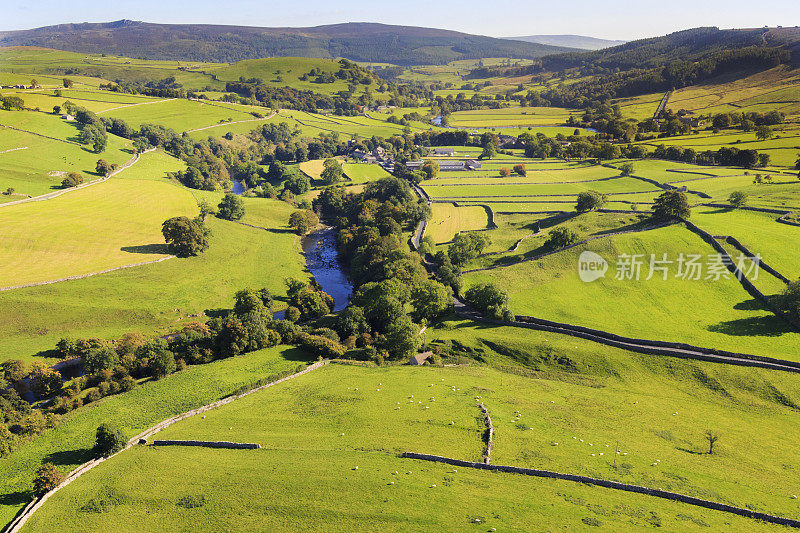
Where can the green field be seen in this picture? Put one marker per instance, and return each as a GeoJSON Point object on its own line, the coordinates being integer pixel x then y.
{"type": "Point", "coordinates": [707, 313]}
{"type": "Point", "coordinates": [513, 116]}
{"type": "Point", "coordinates": [447, 220]}
{"type": "Point", "coordinates": [341, 417]}
{"type": "Point", "coordinates": [363, 172]}
{"type": "Point", "coordinates": [94, 228]}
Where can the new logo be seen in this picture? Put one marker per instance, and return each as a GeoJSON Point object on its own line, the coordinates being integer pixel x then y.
{"type": "Point", "coordinates": [591, 266]}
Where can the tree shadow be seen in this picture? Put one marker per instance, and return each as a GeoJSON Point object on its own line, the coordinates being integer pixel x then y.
{"type": "Point", "coordinates": [757, 326]}
{"type": "Point", "coordinates": [69, 457]}
{"type": "Point", "coordinates": [219, 312]}
{"type": "Point", "coordinates": [693, 452]}
{"type": "Point", "coordinates": [296, 354]}
{"type": "Point", "coordinates": [15, 498]}
{"type": "Point", "coordinates": [750, 305]}
{"type": "Point", "coordinates": [157, 249]}
{"type": "Point", "coordinates": [640, 225]}
{"type": "Point", "coordinates": [51, 354]}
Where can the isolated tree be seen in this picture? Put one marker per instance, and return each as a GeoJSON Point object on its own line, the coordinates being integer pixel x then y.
{"type": "Point", "coordinates": [108, 440]}
{"type": "Point", "coordinates": [185, 236]}
{"type": "Point", "coordinates": [67, 83]}
{"type": "Point", "coordinates": [430, 169]}
{"type": "Point", "coordinates": [763, 132]}
{"type": "Point", "coordinates": [589, 201]}
{"type": "Point", "coordinates": [10, 191]}
{"type": "Point", "coordinates": [520, 170]}
{"type": "Point", "coordinates": [303, 220]}
{"type": "Point", "coordinates": [231, 207]}
{"type": "Point", "coordinates": [671, 204]}
{"type": "Point", "coordinates": [332, 172]}
{"type": "Point", "coordinates": [505, 172]}
{"type": "Point", "coordinates": [789, 301]}
{"type": "Point", "coordinates": [104, 168]}
{"type": "Point", "coordinates": [626, 169]}
{"type": "Point", "coordinates": [712, 437]}
{"type": "Point", "coordinates": [489, 150]}
{"type": "Point", "coordinates": [56, 109]}
{"type": "Point", "coordinates": [560, 237]}
{"type": "Point", "coordinates": [12, 103]}
{"type": "Point", "coordinates": [73, 179]}
{"type": "Point", "coordinates": [737, 198]}
{"type": "Point", "coordinates": [47, 478]}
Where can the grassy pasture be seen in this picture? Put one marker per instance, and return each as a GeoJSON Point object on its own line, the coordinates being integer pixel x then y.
{"type": "Point", "coordinates": [512, 116]}
{"type": "Point", "coordinates": [153, 298]}
{"type": "Point", "coordinates": [621, 185]}
{"type": "Point", "coordinates": [712, 314]}
{"type": "Point", "coordinates": [640, 107]}
{"type": "Point", "coordinates": [363, 172]}
{"type": "Point", "coordinates": [304, 455]}
{"type": "Point", "coordinates": [113, 223]}
{"type": "Point", "coordinates": [554, 176]}
{"type": "Point", "coordinates": [447, 220]}
{"type": "Point", "coordinates": [69, 444]}
{"type": "Point", "coordinates": [29, 170]}
{"type": "Point", "coordinates": [179, 114]}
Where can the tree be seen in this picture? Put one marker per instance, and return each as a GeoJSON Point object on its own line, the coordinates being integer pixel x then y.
{"type": "Point", "coordinates": [140, 144]}
{"type": "Point", "coordinates": [94, 135]}
{"type": "Point", "coordinates": [402, 337]}
{"type": "Point", "coordinates": [47, 478]}
{"type": "Point", "coordinates": [671, 204]}
{"type": "Point", "coordinates": [589, 201]}
{"type": "Point", "coordinates": [67, 83]}
{"type": "Point", "coordinates": [332, 172]}
{"type": "Point", "coordinates": [104, 168]}
{"type": "Point", "coordinates": [56, 109]}
{"type": "Point", "coordinates": [303, 221]}
{"type": "Point", "coordinates": [231, 207]}
{"type": "Point", "coordinates": [489, 151]}
{"type": "Point", "coordinates": [162, 364]}
{"type": "Point", "coordinates": [626, 169]}
{"type": "Point", "coordinates": [488, 298]}
{"type": "Point", "coordinates": [737, 198]}
{"type": "Point", "coordinates": [10, 191]}
{"type": "Point", "coordinates": [466, 247]}
{"type": "Point", "coordinates": [520, 170]}
{"type": "Point", "coordinates": [98, 359]}
{"type": "Point", "coordinates": [763, 132]}
{"type": "Point", "coordinates": [297, 183]}
{"type": "Point", "coordinates": [560, 237]}
{"type": "Point", "coordinates": [108, 440]}
{"type": "Point", "coordinates": [430, 300]}
{"type": "Point", "coordinates": [185, 236]}
{"type": "Point", "coordinates": [712, 437]}
{"type": "Point", "coordinates": [73, 179]}
{"type": "Point", "coordinates": [44, 381]}
{"type": "Point", "coordinates": [789, 301]}
{"type": "Point", "coordinates": [431, 169]}
{"type": "Point", "coordinates": [11, 103]}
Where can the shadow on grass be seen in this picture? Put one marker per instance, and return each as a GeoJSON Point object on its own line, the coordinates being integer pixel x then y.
{"type": "Point", "coordinates": [640, 225]}
{"type": "Point", "coordinates": [69, 457]}
{"type": "Point", "coordinates": [15, 498]}
{"type": "Point", "coordinates": [693, 452]}
{"type": "Point", "coordinates": [50, 354]}
{"type": "Point", "coordinates": [157, 249]}
{"type": "Point", "coordinates": [757, 326]}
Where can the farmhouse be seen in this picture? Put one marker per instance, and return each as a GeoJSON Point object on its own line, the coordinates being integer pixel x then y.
{"type": "Point", "coordinates": [68, 117]}
{"type": "Point", "coordinates": [444, 151]}
{"type": "Point", "coordinates": [414, 165]}
{"type": "Point", "coordinates": [450, 166]}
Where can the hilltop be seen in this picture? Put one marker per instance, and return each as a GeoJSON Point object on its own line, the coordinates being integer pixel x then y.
{"type": "Point", "coordinates": [572, 41]}
{"type": "Point", "coordinates": [359, 41]}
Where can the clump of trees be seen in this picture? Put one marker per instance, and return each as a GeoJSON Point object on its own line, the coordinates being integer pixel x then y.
{"type": "Point", "coordinates": [467, 246]}
{"type": "Point", "coordinates": [108, 440]}
{"type": "Point", "coordinates": [331, 172]}
{"type": "Point", "coordinates": [186, 236]}
{"type": "Point", "coordinates": [489, 300]}
{"type": "Point", "coordinates": [104, 168]}
{"type": "Point", "coordinates": [560, 237]}
{"type": "Point", "coordinates": [670, 205]}
{"type": "Point", "coordinates": [738, 198]}
{"type": "Point", "coordinates": [73, 179]}
{"type": "Point", "coordinates": [48, 477]}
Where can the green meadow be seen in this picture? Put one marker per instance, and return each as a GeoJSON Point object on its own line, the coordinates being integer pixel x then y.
{"type": "Point", "coordinates": [447, 220]}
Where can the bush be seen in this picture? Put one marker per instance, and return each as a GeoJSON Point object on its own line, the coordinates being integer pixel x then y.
{"type": "Point", "coordinates": [185, 236]}
{"type": "Point", "coordinates": [108, 440]}
{"type": "Point", "coordinates": [488, 299]}
{"type": "Point", "coordinates": [47, 478]}
{"type": "Point", "coordinates": [738, 198]}
{"type": "Point", "coordinates": [670, 205]}
{"type": "Point", "coordinates": [589, 201]}
{"type": "Point", "coordinates": [292, 314]}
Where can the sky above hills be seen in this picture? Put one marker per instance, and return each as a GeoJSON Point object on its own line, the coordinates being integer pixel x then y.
{"type": "Point", "coordinates": [620, 19]}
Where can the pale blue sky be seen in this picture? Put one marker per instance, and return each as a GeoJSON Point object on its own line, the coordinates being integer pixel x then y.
{"type": "Point", "coordinates": [621, 19]}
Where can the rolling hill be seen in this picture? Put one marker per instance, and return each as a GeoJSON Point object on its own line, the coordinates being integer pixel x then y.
{"type": "Point", "coordinates": [582, 42]}
{"type": "Point", "coordinates": [201, 42]}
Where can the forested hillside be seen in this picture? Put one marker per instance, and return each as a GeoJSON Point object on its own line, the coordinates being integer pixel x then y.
{"type": "Point", "coordinates": [201, 42]}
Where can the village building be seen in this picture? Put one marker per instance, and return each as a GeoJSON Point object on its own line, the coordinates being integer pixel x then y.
{"type": "Point", "coordinates": [444, 151]}
{"type": "Point", "coordinates": [419, 358]}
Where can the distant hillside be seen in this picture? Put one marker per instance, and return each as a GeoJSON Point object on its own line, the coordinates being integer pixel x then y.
{"type": "Point", "coordinates": [687, 45]}
{"type": "Point", "coordinates": [572, 41]}
{"type": "Point", "coordinates": [403, 45]}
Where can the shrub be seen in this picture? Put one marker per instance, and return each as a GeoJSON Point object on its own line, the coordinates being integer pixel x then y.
{"type": "Point", "coordinates": [589, 201]}
{"type": "Point", "coordinates": [73, 179]}
{"type": "Point", "coordinates": [231, 207]}
{"type": "Point", "coordinates": [738, 198]}
{"type": "Point", "coordinates": [47, 478]}
{"type": "Point", "coordinates": [488, 299]}
{"type": "Point", "coordinates": [318, 345]}
{"type": "Point", "coordinates": [671, 204]}
{"type": "Point", "coordinates": [292, 314]}
{"type": "Point", "coordinates": [108, 440]}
